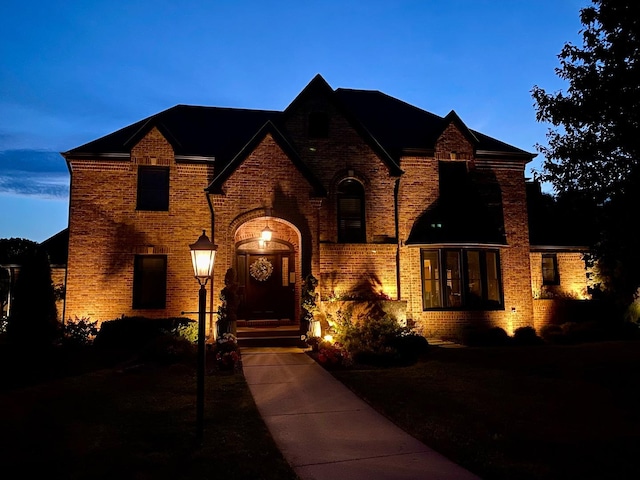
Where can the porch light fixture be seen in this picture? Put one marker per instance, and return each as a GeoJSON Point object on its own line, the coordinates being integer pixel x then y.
{"type": "Point", "coordinates": [266, 234]}
{"type": "Point", "coordinates": [203, 254]}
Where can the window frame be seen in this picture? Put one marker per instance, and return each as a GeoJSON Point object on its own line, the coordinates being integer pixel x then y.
{"type": "Point", "coordinates": [554, 269]}
{"type": "Point", "coordinates": [143, 283]}
{"type": "Point", "coordinates": [152, 194]}
{"type": "Point", "coordinates": [461, 296]}
{"type": "Point", "coordinates": [345, 234]}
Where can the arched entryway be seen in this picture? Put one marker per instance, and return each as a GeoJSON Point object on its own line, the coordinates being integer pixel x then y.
{"type": "Point", "coordinates": [267, 272]}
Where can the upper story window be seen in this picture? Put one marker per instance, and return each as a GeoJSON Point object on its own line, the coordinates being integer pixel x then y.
{"type": "Point", "coordinates": [461, 279]}
{"type": "Point", "coordinates": [150, 281]}
{"type": "Point", "coordinates": [318, 125]}
{"type": "Point", "coordinates": [153, 188]}
{"type": "Point", "coordinates": [351, 226]}
{"type": "Point", "coordinates": [550, 274]}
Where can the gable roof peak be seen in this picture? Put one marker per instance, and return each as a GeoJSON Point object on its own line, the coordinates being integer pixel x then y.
{"type": "Point", "coordinates": [453, 118]}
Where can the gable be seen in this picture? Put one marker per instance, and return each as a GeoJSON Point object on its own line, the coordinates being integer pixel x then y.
{"type": "Point", "coordinates": [316, 99]}
{"type": "Point", "coordinates": [268, 131]}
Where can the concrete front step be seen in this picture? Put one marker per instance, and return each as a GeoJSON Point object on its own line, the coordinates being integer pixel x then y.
{"type": "Point", "coordinates": [280, 336]}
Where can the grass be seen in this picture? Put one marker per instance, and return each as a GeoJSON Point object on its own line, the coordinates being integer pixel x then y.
{"type": "Point", "coordinates": [543, 412]}
{"type": "Point", "coordinates": [130, 421]}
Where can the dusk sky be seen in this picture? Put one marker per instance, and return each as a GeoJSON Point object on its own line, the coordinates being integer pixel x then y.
{"type": "Point", "coordinates": [73, 71]}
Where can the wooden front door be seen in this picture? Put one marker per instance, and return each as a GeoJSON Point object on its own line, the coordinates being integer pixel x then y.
{"type": "Point", "coordinates": [265, 289]}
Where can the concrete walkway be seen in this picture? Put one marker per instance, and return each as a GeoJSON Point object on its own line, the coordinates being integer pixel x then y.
{"type": "Point", "coordinates": [326, 432]}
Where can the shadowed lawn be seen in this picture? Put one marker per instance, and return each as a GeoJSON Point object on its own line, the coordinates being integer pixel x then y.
{"type": "Point", "coordinates": [137, 423]}
{"type": "Point", "coordinates": [543, 412]}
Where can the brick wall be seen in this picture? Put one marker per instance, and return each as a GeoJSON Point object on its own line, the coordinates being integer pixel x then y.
{"type": "Point", "coordinates": [418, 190]}
{"type": "Point", "coordinates": [106, 232]}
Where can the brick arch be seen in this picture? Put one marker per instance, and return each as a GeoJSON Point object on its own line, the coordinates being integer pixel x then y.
{"type": "Point", "coordinates": [348, 173]}
{"type": "Point", "coordinates": [245, 232]}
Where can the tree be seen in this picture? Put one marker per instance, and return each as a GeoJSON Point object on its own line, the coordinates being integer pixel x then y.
{"type": "Point", "coordinates": [33, 321]}
{"type": "Point", "coordinates": [593, 150]}
{"type": "Point", "coordinates": [13, 251]}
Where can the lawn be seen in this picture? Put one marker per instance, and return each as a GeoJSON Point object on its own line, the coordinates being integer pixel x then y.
{"type": "Point", "coordinates": [539, 412]}
{"type": "Point", "coordinates": [132, 421]}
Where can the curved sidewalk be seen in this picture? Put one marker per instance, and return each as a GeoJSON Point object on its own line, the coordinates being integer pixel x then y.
{"type": "Point", "coordinates": [326, 432]}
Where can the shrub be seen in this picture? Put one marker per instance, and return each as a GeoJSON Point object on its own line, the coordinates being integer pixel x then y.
{"type": "Point", "coordinates": [485, 337]}
{"type": "Point", "coordinates": [133, 333]}
{"type": "Point", "coordinates": [226, 351]}
{"type": "Point", "coordinates": [553, 334]}
{"type": "Point", "coordinates": [332, 356]}
{"type": "Point", "coordinates": [33, 321]}
{"type": "Point", "coordinates": [410, 347]}
{"type": "Point", "coordinates": [79, 332]}
{"type": "Point", "coordinates": [526, 336]}
{"type": "Point", "coordinates": [381, 341]}
{"type": "Point", "coordinates": [167, 349]}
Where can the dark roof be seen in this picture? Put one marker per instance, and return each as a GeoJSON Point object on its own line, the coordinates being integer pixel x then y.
{"type": "Point", "coordinates": [463, 212]}
{"type": "Point", "coordinates": [57, 247]}
{"type": "Point", "coordinates": [192, 130]}
{"type": "Point", "coordinates": [390, 126]}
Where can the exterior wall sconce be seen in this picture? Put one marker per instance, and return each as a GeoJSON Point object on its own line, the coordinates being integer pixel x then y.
{"type": "Point", "coordinates": [266, 234]}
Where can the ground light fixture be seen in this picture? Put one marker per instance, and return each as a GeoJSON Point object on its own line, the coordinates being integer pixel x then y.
{"type": "Point", "coordinates": [203, 254]}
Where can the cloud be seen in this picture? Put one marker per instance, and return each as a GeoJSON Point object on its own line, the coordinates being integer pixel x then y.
{"type": "Point", "coordinates": [34, 173]}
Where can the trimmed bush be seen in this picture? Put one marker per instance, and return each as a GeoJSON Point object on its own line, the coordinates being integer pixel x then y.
{"type": "Point", "coordinates": [485, 337]}
{"type": "Point", "coordinates": [524, 336]}
{"type": "Point", "coordinates": [134, 333]}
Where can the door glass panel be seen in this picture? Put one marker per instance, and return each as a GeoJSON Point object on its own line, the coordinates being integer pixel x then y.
{"type": "Point", "coordinates": [454, 287]}
{"type": "Point", "coordinates": [431, 280]}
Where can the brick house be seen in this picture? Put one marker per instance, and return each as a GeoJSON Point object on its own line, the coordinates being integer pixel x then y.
{"type": "Point", "coordinates": [359, 189]}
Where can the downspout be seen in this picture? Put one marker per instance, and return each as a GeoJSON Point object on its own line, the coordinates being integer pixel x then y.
{"type": "Point", "coordinates": [66, 269]}
{"type": "Point", "coordinates": [396, 189]}
{"type": "Point", "coordinates": [212, 329]}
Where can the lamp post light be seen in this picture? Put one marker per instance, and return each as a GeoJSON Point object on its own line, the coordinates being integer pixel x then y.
{"type": "Point", "coordinates": [203, 254]}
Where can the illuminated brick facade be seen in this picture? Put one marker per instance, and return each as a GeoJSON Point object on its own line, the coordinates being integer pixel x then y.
{"type": "Point", "coordinates": [233, 172]}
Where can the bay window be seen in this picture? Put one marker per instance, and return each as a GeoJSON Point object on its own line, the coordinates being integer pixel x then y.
{"type": "Point", "coordinates": [460, 278]}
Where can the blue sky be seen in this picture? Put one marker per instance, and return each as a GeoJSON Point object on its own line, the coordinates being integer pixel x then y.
{"type": "Point", "coordinates": [73, 71]}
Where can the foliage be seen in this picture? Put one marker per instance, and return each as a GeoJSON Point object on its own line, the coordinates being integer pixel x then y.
{"type": "Point", "coordinates": [79, 332]}
{"type": "Point", "coordinates": [133, 333]}
{"type": "Point", "coordinates": [313, 342]}
{"type": "Point", "coordinates": [526, 336]}
{"type": "Point", "coordinates": [333, 356]}
{"type": "Point", "coordinates": [309, 298]}
{"type": "Point", "coordinates": [380, 340]}
{"type": "Point", "coordinates": [228, 309]}
{"type": "Point", "coordinates": [594, 149]}
{"type": "Point", "coordinates": [474, 336]}
{"type": "Point", "coordinates": [16, 250]}
{"type": "Point", "coordinates": [226, 351]}
{"type": "Point", "coordinates": [571, 333]}
{"type": "Point", "coordinates": [33, 319]}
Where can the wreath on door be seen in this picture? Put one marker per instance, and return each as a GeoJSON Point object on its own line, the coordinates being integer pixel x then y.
{"type": "Point", "coordinates": [261, 269]}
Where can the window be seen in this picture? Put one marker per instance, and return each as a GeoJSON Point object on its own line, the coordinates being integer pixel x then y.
{"type": "Point", "coordinates": [351, 212]}
{"type": "Point", "coordinates": [318, 125]}
{"type": "Point", "coordinates": [461, 278]}
{"type": "Point", "coordinates": [550, 275]}
{"type": "Point", "coordinates": [153, 188]}
{"type": "Point", "coordinates": [149, 281]}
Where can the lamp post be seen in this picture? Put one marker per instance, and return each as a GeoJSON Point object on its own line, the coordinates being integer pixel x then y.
{"type": "Point", "coordinates": [203, 254]}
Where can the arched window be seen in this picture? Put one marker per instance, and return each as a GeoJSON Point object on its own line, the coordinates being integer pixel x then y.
{"type": "Point", "coordinates": [318, 125]}
{"type": "Point", "coordinates": [351, 226]}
